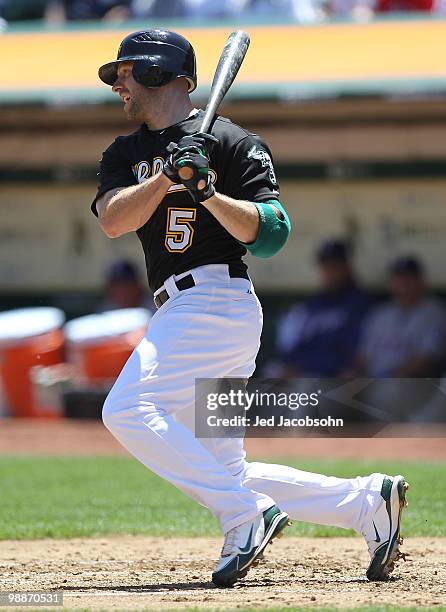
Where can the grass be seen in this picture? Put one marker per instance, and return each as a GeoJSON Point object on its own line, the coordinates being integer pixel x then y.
{"type": "Point", "coordinates": [68, 497]}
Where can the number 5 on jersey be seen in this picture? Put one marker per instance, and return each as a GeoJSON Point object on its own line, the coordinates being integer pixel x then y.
{"type": "Point", "coordinates": [179, 229]}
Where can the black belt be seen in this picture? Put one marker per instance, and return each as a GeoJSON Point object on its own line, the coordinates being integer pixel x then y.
{"type": "Point", "coordinates": [187, 282]}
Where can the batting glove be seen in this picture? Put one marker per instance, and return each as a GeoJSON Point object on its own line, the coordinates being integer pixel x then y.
{"type": "Point", "coordinates": [192, 154]}
{"type": "Point", "coordinates": [200, 143]}
{"type": "Point", "coordinates": [204, 143]}
{"type": "Point", "coordinates": [198, 183]}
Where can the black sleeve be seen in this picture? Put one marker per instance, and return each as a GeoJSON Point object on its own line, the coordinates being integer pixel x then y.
{"type": "Point", "coordinates": [250, 173]}
{"type": "Point", "coordinates": [114, 171]}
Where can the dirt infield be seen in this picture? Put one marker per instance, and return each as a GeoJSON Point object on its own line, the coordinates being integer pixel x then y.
{"type": "Point", "coordinates": [156, 573]}
{"type": "Point", "coordinates": [71, 437]}
{"type": "Point", "coordinates": [135, 572]}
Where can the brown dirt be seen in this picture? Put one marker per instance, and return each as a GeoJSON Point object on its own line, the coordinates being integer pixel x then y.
{"type": "Point", "coordinates": [129, 572]}
{"type": "Point", "coordinates": [125, 572]}
{"type": "Point", "coordinates": [71, 437]}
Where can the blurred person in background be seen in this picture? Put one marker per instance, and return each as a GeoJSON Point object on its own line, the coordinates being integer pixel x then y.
{"type": "Point", "coordinates": [3, 20]}
{"type": "Point", "coordinates": [23, 10]}
{"type": "Point", "coordinates": [320, 337]}
{"type": "Point", "coordinates": [158, 9]}
{"type": "Point", "coordinates": [440, 7]}
{"type": "Point", "coordinates": [359, 10]}
{"type": "Point", "coordinates": [386, 6]}
{"type": "Point", "coordinates": [302, 11]}
{"type": "Point", "coordinates": [125, 289]}
{"type": "Point", "coordinates": [405, 337]}
{"type": "Point", "coordinates": [209, 9]}
{"type": "Point", "coordinates": [362, 10]}
{"type": "Point", "coordinates": [87, 10]}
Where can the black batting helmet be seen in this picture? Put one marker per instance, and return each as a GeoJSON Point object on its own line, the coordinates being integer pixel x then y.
{"type": "Point", "coordinates": [159, 57]}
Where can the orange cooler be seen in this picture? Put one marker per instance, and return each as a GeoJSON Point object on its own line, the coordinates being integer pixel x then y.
{"type": "Point", "coordinates": [100, 344]}
{"type": "Point", "coordinates": [28, 337]}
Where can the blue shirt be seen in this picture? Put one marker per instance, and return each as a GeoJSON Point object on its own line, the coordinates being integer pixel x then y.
{"type": "Point", "coordinates": [393, 335]}
{"type": "Point", "coordinates": [321, 336]}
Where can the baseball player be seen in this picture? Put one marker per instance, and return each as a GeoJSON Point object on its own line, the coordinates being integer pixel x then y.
{"type": "Point", "coordinates": [194, 235]}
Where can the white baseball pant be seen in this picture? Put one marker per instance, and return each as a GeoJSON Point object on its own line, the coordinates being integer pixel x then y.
{"type": "Point", "coordinates": [211, 331]}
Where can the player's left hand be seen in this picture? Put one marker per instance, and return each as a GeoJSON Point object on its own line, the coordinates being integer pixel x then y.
{"type": "Point", "coordinates": [198, 183]}
{"type": "Point", "coordinates": [192, 153]}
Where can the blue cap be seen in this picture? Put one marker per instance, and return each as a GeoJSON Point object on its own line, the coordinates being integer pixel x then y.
{"type": "Point", "coordinates": [122, 270]}
{"type": "Point", "coordinates": [334, 250]}
{"type": "Point", "coordinates": [409, 265]}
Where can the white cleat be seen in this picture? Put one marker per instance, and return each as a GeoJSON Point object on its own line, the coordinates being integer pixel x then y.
{"type": "Point", "coordinates": [244, 545]}
{"type": "Point", "coordinates": [384, 546]}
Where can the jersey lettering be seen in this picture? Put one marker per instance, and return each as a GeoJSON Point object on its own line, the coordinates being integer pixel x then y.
{"type": "Point", "coordinates": [179, 229]}
{"type": "Point", "coordinates": [158, 165]}
{"type": "Point", "coordinates": [142, 171]}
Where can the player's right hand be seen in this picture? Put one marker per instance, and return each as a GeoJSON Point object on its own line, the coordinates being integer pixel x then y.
{"type": "Point", "coordinates": [197, 178]}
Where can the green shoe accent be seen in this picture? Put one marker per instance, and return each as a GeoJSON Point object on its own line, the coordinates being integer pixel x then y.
{"type": "Point", "coordinates": [386, 488]}
{"type": "Point", "coordinates": [375, 570]}
{"type": "Point", "coordinates": [378, 539]}
{"type": "Point", "coordinates": [269, 514]}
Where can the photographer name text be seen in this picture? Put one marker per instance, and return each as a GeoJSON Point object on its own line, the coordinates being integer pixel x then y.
{"type": "Point", "coordinates": [272, 421]}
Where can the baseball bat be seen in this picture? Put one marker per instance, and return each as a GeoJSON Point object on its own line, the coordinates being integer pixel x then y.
{"type": "Point", "coordinates": [231, 59]}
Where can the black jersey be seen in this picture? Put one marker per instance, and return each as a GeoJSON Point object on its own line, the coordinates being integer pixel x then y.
{"type": "Point", "coordinates": [182, 235]}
